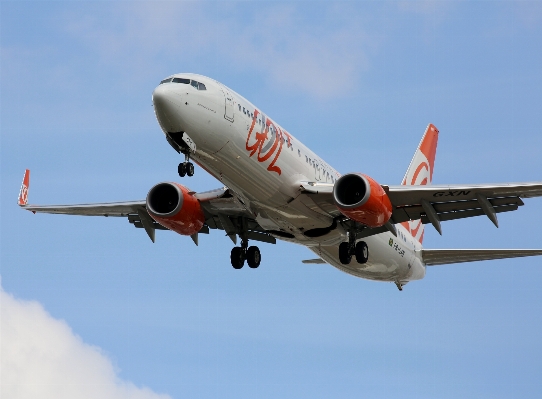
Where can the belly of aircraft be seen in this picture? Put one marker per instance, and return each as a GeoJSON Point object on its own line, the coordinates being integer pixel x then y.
{"type": "Point", "coordinates": [385, 263]}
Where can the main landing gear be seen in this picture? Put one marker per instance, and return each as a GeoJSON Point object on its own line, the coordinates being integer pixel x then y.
{"type": "Point", "coordinates": [351, 248]}
{"type": "Point", "coordinates": [186, 167]}
{"type": "Point", "coordinates": [244, 252]}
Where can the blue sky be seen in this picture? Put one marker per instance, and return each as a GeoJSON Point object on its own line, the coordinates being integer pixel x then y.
{"type": "Point", "coordinates": [91, 308]}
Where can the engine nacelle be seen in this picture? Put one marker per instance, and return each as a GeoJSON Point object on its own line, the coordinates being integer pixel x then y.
{"type": "Point", "coordinates": [362, 199]}
{"type": "Point", "coordinates": [171, 205]}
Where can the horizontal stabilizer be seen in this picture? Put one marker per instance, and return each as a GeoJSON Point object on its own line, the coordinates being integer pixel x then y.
{"type": "Point", "coordinates": [435, 257]}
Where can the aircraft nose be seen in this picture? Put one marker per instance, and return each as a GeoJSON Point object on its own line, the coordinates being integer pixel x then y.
{"type": "Point", "coordinates": [167, 105]}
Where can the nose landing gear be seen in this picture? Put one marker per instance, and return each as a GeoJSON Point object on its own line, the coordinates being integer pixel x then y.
{"type": "Point", "coordinates": [182, 143]}
{"type": "Point", "coordinates": [348, 249]}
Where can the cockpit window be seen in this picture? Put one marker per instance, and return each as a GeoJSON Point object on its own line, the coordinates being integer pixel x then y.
{"type": "Point", "coordinates": [181, 80]}
{"type": "Point", "coordinates": [195, 84]}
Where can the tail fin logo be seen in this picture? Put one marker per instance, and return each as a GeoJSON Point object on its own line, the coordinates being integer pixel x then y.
{"type": "Point", "coordinates": [420, 176]}
{"type": "Point", "coordinates": [23, 193]}
{"type": "Point", "coordinates": [420, 173]}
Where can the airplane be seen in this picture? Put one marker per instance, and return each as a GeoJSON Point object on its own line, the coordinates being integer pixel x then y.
{"type": "Point", "coordinates": [277, 188]}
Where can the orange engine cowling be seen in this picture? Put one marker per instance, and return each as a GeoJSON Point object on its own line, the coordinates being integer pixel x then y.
{"type": "Point", "coordinates": [362, 199]}
{"type": "Point", "coordinates": [171, 205]}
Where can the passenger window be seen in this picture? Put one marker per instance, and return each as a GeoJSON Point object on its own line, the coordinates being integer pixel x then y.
{"type": "Point", "coordinates": [201, 86]}
{"type": "Point", "coordinates": [239, 107]}
{"type": "Point", "coordinates": [181, 80]}
{"type": "Point", "coordinates": [244, 111]}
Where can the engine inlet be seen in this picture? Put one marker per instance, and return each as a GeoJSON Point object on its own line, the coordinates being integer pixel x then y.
{"type": "Point", "coordinates": [351, 190]}
{"type": "Point", "coordinates": [164, 199]}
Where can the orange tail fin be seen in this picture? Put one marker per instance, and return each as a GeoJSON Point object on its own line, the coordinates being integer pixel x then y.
{"type": "Point", "coordinates": [420, 172]}
{"type": "Point", "coordinates": [23, 194]}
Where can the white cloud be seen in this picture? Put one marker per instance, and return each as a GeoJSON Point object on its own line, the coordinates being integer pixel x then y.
{"type": "Point", "coordinates": [141, 31]}
{"type": "Point", "coordinates": [41, 357]}
{"type": "Point", "coordinates": [321, 57]}
{"type": "Point", "coordinates": [300, 54]}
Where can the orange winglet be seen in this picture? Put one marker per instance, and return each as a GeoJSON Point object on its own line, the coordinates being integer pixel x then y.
{"type": "Point", "coordinates": [23, 193]}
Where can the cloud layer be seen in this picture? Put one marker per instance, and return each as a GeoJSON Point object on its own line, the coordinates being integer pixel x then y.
{"type": "Point", "coordinates": [293, 46]}
{"type": "Point", "coordinates": [41, 357]}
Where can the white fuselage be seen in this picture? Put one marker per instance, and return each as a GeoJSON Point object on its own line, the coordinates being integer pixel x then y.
{"type": "Point", "coordinates": [262, 164]}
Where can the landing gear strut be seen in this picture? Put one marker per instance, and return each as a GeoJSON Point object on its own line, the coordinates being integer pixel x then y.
{"type": "Point", "coordinates": [251, 254]}
{"type": "Point", "coordinates": [186, 167]}
{"type": "Point", "coordinates": [351, 248]}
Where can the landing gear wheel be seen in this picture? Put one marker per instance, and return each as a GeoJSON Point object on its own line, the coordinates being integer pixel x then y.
{"type": "Point", "coordinates": [237, 258]}
{"type": "Point", "coordinates": [181, 169]}
{"type": "Point", "coordinates": [344, 253]}
{"type": "Point", "coordinates": [362, 252]}
{"type": "Point", "coordinates": [254, 257]}
{"type": "Point", "coordinates": [190, 169]}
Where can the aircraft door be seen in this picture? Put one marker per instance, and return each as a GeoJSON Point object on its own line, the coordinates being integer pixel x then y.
{"type": "Point", "coordinates": [317, 171]}
{"type": "Point", "coordinates": [228, 108]}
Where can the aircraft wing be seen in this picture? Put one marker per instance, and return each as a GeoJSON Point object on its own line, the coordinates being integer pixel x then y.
{"type": "Point", "coordinates": [437, 203]}
{"type": "Point", "coordinates": [99, 209]}
{"type": "Point", "coordinates": [222, 211]}
{"type": "Point", "coordinates": [434, 257]}
{"type": "Point", "coordinates": [135, 211]}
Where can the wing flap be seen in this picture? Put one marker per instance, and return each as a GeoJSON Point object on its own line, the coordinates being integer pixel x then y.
{"type": "Point", "coordinates": [468, 213]}
{"type": "Point", "coordinates": [435, 257]}
{"type": "Point", "coordinates": [453, 211]}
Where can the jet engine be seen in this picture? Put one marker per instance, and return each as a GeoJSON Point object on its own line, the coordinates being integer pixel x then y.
{"type": "Point", "coordinates": [362, 199]}
{"type": "Point", "coordinates": [173, 206]}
